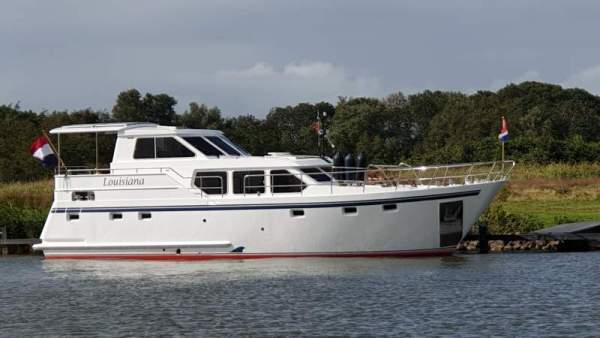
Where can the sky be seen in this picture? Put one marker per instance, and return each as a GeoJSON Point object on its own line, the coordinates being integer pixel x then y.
{"type": "Point", "coordinates": [248, 56]}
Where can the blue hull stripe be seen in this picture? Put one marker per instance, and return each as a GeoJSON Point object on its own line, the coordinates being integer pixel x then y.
{"type": "Point", "coordinates": [270, 206]}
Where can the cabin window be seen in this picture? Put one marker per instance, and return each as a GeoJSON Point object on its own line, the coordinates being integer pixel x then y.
{"type": "Point", "coordinates": [167, 147]}
{"type": "Point", "coordinates": [204, 146]}
{"type": "Point", "coordinates": [316, 174]}
{"type": "Point", "coordinates": [116, 215]}
{"type": "Point", "coordinates": [221, 144]}
{"type": "Point", "coordinates": [160, 147]}
{"type": "Point", "coordinates": [284, 181]}
{"type": "Point", "coordinates": [72, 216]}
{"type": "Point", "coordinates": [211, 182]}
{"type": "Point", "coordinates": [251, 184]}
{"type": "Point", "coordinates": [350, 211]}
{"type": "Point", "coordinates": [145, 215]}
{"type": "Point", "coordinates": [235, 145]}
{"type": "Point", "coordinates": [83, 196]}
{"type": "Point", "coordinates": [451, 223]}
{"type": "Point", "coordinates": [144, 148]}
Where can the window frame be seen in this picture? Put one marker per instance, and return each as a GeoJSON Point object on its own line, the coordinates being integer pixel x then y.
{"type": "Point", "coordinates": [176, 138]}
{"type": "Point", "coordinates": [236, 146]}
{"type": "Point", "coordinates": [296, 176]}
{"type": "Point", "coordinates": [135, 148]}
{"type": "Point", "coordinates": [222, 152]}
{"type": "Point", "coordinates": [318, 172]}
{"type": "Point", "coordinates": [181, 144]}
{"type": "Point", "coordinates": [207, 138]}
{"type": "Point", "coordinates": [224, 174]}
{"type": "Point", "coordinates": [242, 189]}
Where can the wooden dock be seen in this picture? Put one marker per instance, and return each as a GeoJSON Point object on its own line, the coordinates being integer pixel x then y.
{"type": "Point", "coordinates": [16, 245]}
{"type": "Point", "coordinates": [581, 236]}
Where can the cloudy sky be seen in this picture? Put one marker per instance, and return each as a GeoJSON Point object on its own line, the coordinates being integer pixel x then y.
{"type": "Point", "coordinates": [248, 56]}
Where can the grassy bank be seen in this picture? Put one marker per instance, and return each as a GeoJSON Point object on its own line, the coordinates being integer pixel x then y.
{"type": "Point", "coordinates": [537, 196]}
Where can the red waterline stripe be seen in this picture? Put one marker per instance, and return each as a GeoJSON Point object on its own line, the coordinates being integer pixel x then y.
{"type": "Point", "coordinates": [211, 256]}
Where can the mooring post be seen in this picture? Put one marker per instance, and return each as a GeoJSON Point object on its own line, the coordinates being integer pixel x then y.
{"type": "Point", "coordinates": [483, 239]}
{"type": "Point", "coordinates": [3, 237]}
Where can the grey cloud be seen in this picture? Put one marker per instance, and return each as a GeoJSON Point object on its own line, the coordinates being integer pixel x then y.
{"type": "Point", "coordinates": [74, 54]}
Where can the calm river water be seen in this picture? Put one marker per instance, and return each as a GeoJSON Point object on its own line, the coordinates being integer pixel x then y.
{"type": "Point", "coordinates": [545, 294]}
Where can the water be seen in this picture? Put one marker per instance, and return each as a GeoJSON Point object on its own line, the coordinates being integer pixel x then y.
{"type": "Point", "coordinates": [547, 294]}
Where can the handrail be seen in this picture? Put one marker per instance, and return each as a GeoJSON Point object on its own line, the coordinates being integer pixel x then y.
{"type": "Point", "coordinates": [221, 186]}
{"type": "Point", "coordinates": [111, 171]}
{"type": "Point", "coordinates": [374, 175]}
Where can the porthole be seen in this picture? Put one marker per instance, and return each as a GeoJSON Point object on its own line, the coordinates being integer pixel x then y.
{"type": "Point", "coordinates": [297, 212]}
{"type": "Point", "coordinates": [390, 207]}
{"type": "Point", "coordinates": [350, 211]}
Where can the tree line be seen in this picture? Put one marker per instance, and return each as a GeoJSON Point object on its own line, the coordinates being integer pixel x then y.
{"type": "Point", "coordinates": [547, 123]}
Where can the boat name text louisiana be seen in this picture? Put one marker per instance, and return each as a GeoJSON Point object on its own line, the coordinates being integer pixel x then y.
{"type": "Point", "coordinates": [123, 181]}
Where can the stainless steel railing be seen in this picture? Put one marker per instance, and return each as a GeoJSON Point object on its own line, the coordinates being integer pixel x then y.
{"type": "Point", "coordinates": [397, 176]}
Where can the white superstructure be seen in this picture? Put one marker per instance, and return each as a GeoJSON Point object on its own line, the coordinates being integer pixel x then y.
{"type": "Point", "coordinates": [193, 194]}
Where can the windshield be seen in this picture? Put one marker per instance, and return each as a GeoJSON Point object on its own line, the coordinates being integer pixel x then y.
{"type": "Point", "coordinates": [205, 147]}
{"type": "Point", "coordinates": [237, 146]}
{"type": "Point", "coordinates": [223, 145]}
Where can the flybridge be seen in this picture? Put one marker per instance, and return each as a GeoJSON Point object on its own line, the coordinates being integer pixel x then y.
{"type": "Point", "coordinates": [145, 141]}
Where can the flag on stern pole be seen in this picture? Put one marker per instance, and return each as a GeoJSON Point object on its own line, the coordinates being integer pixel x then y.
{"type": "Point", "coordinates": [316, 126]}
{"type": "Point", "coordinates": [42, 151]}
{"type": "Point", "coordinates": [503, 136]}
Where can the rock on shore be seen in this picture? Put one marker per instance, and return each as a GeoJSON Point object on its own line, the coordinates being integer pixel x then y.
{"type": "Point", "coordinates": [502, 246]}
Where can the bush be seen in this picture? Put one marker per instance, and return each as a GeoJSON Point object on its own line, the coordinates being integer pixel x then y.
{"type": "Point", "coordinates": [499, 221]}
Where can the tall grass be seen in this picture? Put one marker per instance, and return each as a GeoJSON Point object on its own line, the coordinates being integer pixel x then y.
{"type": "Point", "coordinates": [24, 207]}
{"type": "Point", "coordinates": [556, 170]}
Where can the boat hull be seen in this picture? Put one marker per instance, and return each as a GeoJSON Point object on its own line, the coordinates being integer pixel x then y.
{"type": "Point", "coordinates": [349, 226]}
{"type": "Point", "coordinates": [239, 256]}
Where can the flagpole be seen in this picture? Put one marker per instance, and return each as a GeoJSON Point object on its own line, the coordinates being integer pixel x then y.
{"type": "Point", "coordinates": [502, 141]}
{"type": "Point", "coordinates": [53, 149]}
{"type": "Point", "coordinates": [502, 156]}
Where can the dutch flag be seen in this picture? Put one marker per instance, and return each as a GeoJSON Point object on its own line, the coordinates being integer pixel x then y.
{"type": "Point", "coordinates": [41, 150]}
{"type": "Point", "coordinates": [503, 136]}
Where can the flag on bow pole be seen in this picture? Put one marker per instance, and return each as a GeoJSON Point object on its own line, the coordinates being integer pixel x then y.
{"type": "Point", "coordinates": [503, 136]}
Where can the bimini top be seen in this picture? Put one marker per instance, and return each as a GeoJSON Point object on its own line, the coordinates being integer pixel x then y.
{"type": "Point", "coordinates": [101, 127]}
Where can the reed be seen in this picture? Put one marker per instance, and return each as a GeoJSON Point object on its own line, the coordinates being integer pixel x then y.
{"type": "Point", "coordinates": [28, 195]}
{"type": "Point", "coordinates": [526, 171]}
{"type": "Point", "coordinates": [24, 207]}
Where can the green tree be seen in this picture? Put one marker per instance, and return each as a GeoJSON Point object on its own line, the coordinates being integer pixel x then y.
{"type": "Point", "coordinates": [131, 107]}
{"type": "Point", "coordinates": [199, 116]}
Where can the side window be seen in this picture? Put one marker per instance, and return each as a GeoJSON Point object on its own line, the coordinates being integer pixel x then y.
{"type": "Point", "coordinates": [83, 196]}
{"type": "Point", "coordinates": [284, 181]}
{"type": "Point", "coordinates": [211, 182]}
{"type": "Point", "coordinates": [235, 145]}
{"type": "Point", "coordinates": [316, 174]}
{"type": "Point", "coordinates": [251, 184]}
{"type": "Point", "coordinates": [169, 147]}
{"type": "Point", "coordinates": [221, 144]}
{"type": "Point", "coordinates": [144, 148]}
{"type": "Point", "coordinates": [204, 147]}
